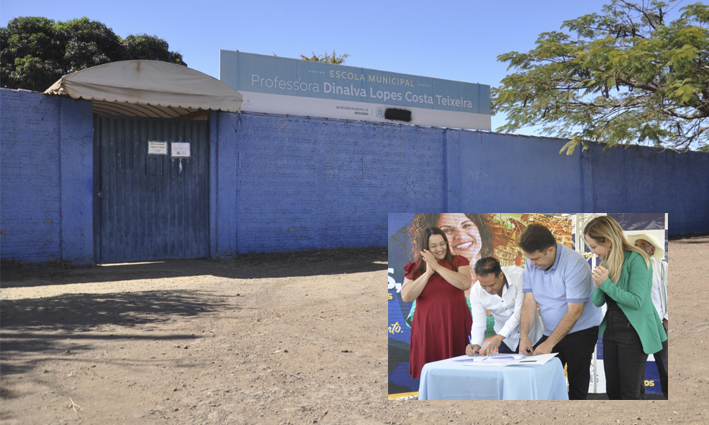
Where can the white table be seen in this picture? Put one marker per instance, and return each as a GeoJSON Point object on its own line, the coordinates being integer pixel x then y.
{"type": "Point", "coordinates": [451, 379]}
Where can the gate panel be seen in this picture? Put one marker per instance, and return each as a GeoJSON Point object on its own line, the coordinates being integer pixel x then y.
{"type": "Point", "coordinates": [150, 205]}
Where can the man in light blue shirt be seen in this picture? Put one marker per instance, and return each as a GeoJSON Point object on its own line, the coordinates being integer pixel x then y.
{"type": "Point", "coordinates": [559, 279]}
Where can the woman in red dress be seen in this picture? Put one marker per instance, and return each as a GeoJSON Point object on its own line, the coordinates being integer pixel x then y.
{"type": "Point", "coordinates": [437, 281]}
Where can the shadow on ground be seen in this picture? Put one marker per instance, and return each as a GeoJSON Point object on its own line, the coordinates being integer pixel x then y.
{"type": "Point", "coordinates": [46, 325]}
{"type": "Point", "coordinates": [250, 266]}
{"type": "Point", "coordinates": [72, 312]}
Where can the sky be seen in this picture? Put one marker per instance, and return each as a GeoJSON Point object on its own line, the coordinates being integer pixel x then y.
{"type": "Point", "coordinates": [454, 40]}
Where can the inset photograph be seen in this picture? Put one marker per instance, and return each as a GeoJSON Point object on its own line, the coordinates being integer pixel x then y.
{"type": "Point", "coordinates": [527, 306]}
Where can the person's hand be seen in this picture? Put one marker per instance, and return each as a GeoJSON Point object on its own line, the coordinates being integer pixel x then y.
{"type": "Point", "coordinates": [472, 349]}
{"type": "Point", "coordinates": [543, 348]}
{"type": "Point", "coordinates": [665, 323]}
{"type": "Point", "coordinates": [492, 346]}
{"type": "Point", "coordinates": [600, 274]}
{"type": "Point", "coordinates": [525, 346]}
{"type": "Point", "coordinates": [431, 263]}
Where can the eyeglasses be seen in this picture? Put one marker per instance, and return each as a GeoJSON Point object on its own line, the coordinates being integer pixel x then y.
{"type": "Point", "coordinates": [434, 246]}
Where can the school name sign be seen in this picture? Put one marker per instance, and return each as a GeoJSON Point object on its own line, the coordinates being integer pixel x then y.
{"type": "Point", "coordinates": [276, 85]}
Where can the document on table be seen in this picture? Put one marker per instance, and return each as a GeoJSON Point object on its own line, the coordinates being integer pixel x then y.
{"type": "Point", "coordinates": [540, 359]}
{"type": "Point", "coordinates": [507, 360]}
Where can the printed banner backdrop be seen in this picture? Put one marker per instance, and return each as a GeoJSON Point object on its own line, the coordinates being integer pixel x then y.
{"type": "Point", "coordinates": [278, 85]}
{"type": "Point", "coordinates": [498, 233]}
{"type": "Point", "coordinates": [471, 235]}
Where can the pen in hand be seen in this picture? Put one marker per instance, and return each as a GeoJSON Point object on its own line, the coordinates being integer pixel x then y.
{"type": "Point", "coordinates": [471, 346]}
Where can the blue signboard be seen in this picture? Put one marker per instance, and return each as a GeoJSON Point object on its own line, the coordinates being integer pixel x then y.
{"type": "Point", "coordinates": [350, 92]}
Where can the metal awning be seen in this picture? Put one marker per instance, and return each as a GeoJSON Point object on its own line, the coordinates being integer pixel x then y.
{"type": "Point", "coordinates": [148, 89]}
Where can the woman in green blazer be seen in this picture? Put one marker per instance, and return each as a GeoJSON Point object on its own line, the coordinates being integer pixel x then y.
{"type": "Point", "coordinates": [631, 328]}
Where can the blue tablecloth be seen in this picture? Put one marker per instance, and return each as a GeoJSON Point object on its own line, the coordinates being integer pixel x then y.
{"type": "Point", "coordinates": [452, 380]}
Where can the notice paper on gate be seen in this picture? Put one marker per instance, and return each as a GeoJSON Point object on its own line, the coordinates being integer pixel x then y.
{"type": "Point", "coordinates": [157, 148]}
{"type": "Point", "coordinates": [180, 150]}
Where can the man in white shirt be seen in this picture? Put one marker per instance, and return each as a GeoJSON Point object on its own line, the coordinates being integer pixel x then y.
{"type": "Point", "coordinates": [499, 290]}
{"type": "Point", "coordinates": [655, 250]}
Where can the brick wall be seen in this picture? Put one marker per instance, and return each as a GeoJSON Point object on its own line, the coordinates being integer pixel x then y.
{"type": "Point", "coordinates": [314, 183]}
{"type": "Point", "coordinates": [641, 180]}
{"type": "Point", "coordinates": [46, 181]}
{"type": "Point", "coordinates": [280, 183]}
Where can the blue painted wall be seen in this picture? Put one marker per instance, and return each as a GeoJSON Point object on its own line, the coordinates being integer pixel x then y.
{"type": "Point", "coordinates": [46, 165]}
{"type": "Point", "coordinates": [640, 180]}
{"type": "Point", "coordinates": [291, 183]}
{"type": "Point", "coordinates": [280, 183]}
{"type": "Point", "coordinates": [499, 173]}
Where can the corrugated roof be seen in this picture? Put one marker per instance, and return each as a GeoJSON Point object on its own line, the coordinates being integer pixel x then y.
{"type": "Point", "coordinates": [148, 89]}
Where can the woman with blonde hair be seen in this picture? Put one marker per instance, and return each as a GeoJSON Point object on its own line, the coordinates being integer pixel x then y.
{"type": "Point", "coordinates": [631, 328]}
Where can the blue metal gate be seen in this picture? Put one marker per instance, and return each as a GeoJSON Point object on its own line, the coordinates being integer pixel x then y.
{"type": "Point", "coordinates": [151, 195]}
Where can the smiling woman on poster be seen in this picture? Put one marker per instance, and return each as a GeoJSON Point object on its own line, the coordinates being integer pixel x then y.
{"type": "Point", "coordinates": [469, 235]}
{"type": "Point", "coordinates": [631, 328]}
{"type": "Point", "coordinates": [442, 321]}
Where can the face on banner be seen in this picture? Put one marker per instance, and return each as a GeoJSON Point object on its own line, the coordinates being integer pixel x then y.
{"type": "Point", "coordinates": [463, 235]}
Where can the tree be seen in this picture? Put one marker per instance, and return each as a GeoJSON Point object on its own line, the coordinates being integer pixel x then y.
{"type": "Point", "coordinates": [35, 52]}
{"type": "Point", "coordinates": [146, 46]}
{"type": "Point", "coordinates": [623, 77]}
{"type": "Point", "coordinates": [31, 51]}
{"type": "Point", "coordinates": [325, 58]}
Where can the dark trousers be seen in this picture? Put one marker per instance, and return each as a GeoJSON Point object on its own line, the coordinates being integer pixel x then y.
{"type": "Point", "coordinates": [623, 358]}
{"type": "Point", "coordinates": [661, 363]}
{"type": "Point", "coordinates": [507, 350]}
{"type": "Point", "coordinates": [576, 351]}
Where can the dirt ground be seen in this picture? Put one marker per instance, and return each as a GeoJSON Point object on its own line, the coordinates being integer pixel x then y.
{"type": "Point", "coordinates": [277, 339]}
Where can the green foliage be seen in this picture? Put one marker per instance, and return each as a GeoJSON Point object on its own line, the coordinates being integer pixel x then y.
{"type": "Point", "coordinates": [622, 77]}
{"type": "Point", "coordinates": [333, 59]}
{"type": "Point", "coordinates": [146, 46]}
{"type": "Point", "coordinates": [35, 52]}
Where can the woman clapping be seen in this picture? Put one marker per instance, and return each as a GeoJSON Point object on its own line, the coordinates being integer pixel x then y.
{"type": "Point", "coordinates": [437, 281]}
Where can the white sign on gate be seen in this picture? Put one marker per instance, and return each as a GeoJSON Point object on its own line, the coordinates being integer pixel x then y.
{"type": "Point", "coordinates": [157, 148]}
{"type": "Point", "coordinates": [180, 150]}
